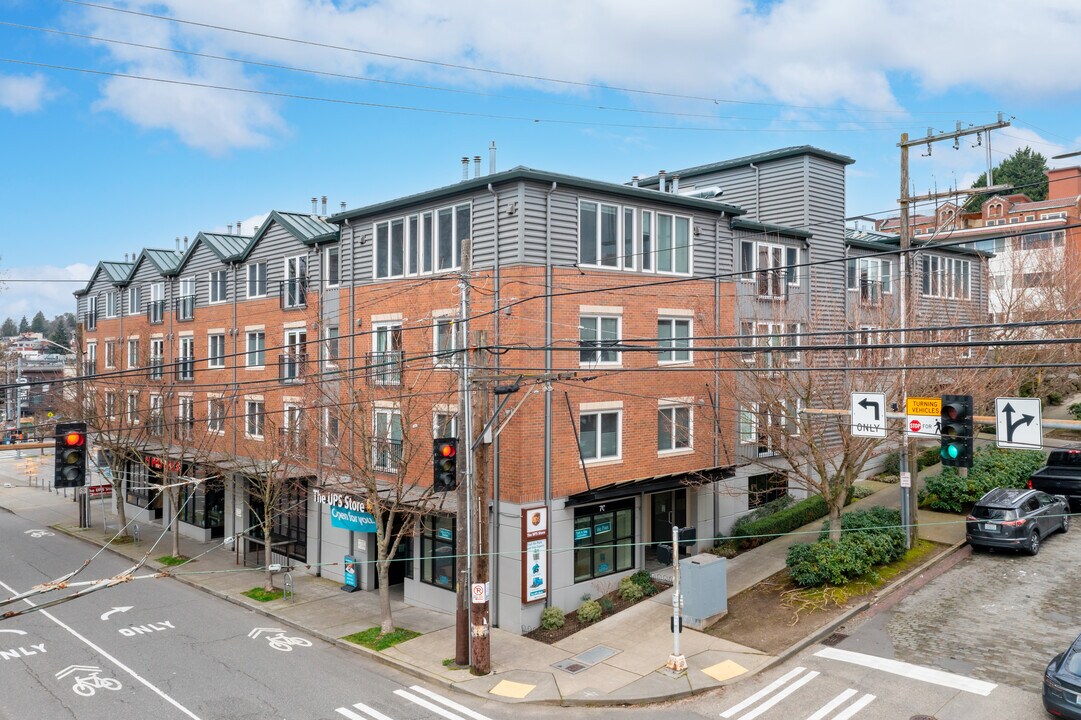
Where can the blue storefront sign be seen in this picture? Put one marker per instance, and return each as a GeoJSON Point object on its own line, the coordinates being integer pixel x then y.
{"type": "Point", "coordinates": [350, 574]}
{"type": "Point", "coordinates": [444, 534]}
{"type": "Point", "coordinates": [581, 534]}
{"type": "Point", "coordinates": [601, 528]}
{"type": "Point", "coordinates": [355, 520]}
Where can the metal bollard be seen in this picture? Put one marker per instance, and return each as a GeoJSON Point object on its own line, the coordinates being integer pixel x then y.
{"type": "Point", "coordinates": [135, 533]}
{"type": "Point", "coordinates": [287, 588]}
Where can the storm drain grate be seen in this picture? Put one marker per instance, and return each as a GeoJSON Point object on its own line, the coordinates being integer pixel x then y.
{"type": "Point", "coordinates": [570, 666]}
{"type": "Point", "coordinates": [834, 639]}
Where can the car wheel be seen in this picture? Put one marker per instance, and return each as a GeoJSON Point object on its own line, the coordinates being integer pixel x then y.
{"type": "Point", "coordinates": [1066, 523]}
{"type": "Point", "coordinates": [976, 548]}
{"type": "Point", "coordinates": [1033, 547]}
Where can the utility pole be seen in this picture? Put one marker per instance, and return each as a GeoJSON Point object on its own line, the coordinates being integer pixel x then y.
{"type": "Point", "coordinates": [909, 495]}
{"type": "Point", "coordinates": [464, 546]}
{"type": "Point", "coordinates": [480, 603]}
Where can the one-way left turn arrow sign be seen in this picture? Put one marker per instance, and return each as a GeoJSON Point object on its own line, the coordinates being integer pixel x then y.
{"type": "Point", "coordinates": [868, 414]}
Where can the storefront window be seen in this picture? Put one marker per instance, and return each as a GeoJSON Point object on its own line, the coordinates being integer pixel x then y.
{"type": "Point", "coordinates": [438, 564]}
{"type": "Point", "coordinates": [205, 508]}
{"type": "Point", "coordinates": [603, 540]}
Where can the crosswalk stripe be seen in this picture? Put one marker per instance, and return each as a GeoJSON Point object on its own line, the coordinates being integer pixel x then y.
{"type": "Point", "coordinates": [448, 702]}
{"type": "Point", "coordinates": [374, 714]}
{"type": "Point", "coordinates": [427, 705]}
{"type": "Point", "coordinates": [855, 707]}
{"type": "Point", "coordinates": [832, 705]}
{"type": "Point", "coordinates": [762, 693]}
{"type": "Point", "coordinates": [916, 672]}
{"type": "Point", "coordinates": [800, 682]}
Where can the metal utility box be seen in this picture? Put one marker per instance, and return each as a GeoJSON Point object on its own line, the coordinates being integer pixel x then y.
{"type": "Point", "coordinates": [703, 582]}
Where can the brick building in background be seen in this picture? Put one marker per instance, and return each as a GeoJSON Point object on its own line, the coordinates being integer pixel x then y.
{"type": "Point", "coordinates": [325, 347]}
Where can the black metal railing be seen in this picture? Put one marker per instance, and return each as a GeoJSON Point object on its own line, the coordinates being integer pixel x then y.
{"type": "Point", "coordinates": [384, 368]}
{"type": "Point", "coordinates": [293, 293]}
{"type": "Point", "coordinates": [386, 454]}
{"type": "Point", "coordinates": [155, 312]}
{"type": "Point", "coordinates": [292, 367]}
{"type": "Point", "coordinates": [185, 308]}
{"type": "Point", "coordinates": [156, 367]}
{"type": "Point", "coordinates": [772, 284]}
{"type": "Point", "coordinates": [185, 369]}
{"type": "Point", "coordinates": [155, 423]}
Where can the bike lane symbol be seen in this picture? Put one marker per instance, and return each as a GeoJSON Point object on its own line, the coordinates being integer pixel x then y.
{"type": "Point", "coordinates": [88, 681]}
{"type": "Point", "coordinates": [278, 640]}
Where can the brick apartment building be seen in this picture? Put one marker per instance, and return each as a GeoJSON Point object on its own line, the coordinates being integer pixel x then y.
{"type": "Point", "coordinates": [324, 346]}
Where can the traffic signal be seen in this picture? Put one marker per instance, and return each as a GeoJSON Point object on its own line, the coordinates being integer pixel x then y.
{"type": "Point", "coordinates": [70, 458]}
{"type": "Point", "coordinates": [445, 464]}
{"type": "Point", "coordinates": [955, 428]}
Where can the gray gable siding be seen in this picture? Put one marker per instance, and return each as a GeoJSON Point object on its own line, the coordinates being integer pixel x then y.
{"type": "Point", "coordinates": [888, 311]}
{"type": "Point", "coordinates": [144, 276]}
{"type": "Point", "coordinates": [273, 248]}
{"type": "Point", "coordinates": [198, 267]}
{"type": "Point", "coordinates": [483, 221]}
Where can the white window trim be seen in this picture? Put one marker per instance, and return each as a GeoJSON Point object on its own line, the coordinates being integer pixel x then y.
{"type": "Point", "coordinates": [248, 280]}
{"type": "Point", "coordinates": [247, 414]}
{"type": "Point", "coordinates": [247, 349]}
{"type": "Point", "coordinates": [210, 359]}
{"type": "Point", "coordinates": [690, 341]}
{"type": "Point", "coordinates": [211, 284]}
{"type": "Point", "coordinates": [599, 349]}
{"type": "Point", "coordinates": [608, 459]}
{"type": "Point", "coordinates": [210, 400]}
{"type": "Point", "coordinates": [672, 404]}
{"type": "Point", "coordinates": [326, 265]}
{"type": "Point", "coordinates": [439, 321]}
{"type": "Point", "coordinates": [434, 212]}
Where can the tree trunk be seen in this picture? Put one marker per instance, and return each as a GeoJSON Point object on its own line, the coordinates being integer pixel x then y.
{"type": "Point", "coordinates": [176, 529]}
{"type": "Point", "coordinates": [836, 503]}
{"type": "Point", "coordinates": [121, 510]}
{"type": "Point", "coordinates": [268, 577]}
{"type": "Point", "coordinates": [386, 618]}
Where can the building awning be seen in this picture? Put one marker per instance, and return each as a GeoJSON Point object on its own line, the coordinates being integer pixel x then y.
{"type": "Point", "coordinates": [657, 483]}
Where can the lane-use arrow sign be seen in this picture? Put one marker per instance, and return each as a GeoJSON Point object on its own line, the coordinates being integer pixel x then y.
{"type": "Point", "coordinates": [868, 418]}
{"type": "Point", "coordinates": [1018, 423]}
{"type": "Point", "coordinates": [866, 403]}
{"type": "Point", "coordinates": [115, 610]}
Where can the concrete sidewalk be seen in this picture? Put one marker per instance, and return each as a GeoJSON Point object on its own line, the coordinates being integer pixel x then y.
{"type": "Point", "coordinates": [618, 660]}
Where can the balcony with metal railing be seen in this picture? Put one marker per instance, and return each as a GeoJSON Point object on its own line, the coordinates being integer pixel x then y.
{"type": "Point", "coordinates": [293, 293]}
{"type": "Point", "coordinates": [292, 367]}
{"type": "Point", "coordinates": [156, 367]}
{"type": "Point", "coordinates": [294, 443]}
{"type": "Point", "coordinates": [185, 308]}
{"type": "Point", "coordinates": [386, 454]}
{"type": "Point", "coordinates": [185, 369]}
{"type": "Point", "coordinates": [88, 368]}
{"type": "Point", "coordinates": [155, 312]}
{"type": "Point", "coordinates": [384, 368]}
{"type": "Point", "coordinates": [870, 292]}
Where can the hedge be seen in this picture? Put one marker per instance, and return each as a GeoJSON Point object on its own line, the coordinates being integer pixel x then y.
{"type": "Point", "coordinates": [761, 530]}
{"type": "Point", "coordinates": [991, 468]}
{"type": "Point", "coordinates": [926, 458]}
{"type": "Point", "coordinates": [870, 538]}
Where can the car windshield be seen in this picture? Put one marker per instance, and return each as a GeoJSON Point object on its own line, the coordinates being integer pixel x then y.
{"type": "Point", "coordinates": [1073, 663]}
{"type": "Point", "coordinates": [993, 513]}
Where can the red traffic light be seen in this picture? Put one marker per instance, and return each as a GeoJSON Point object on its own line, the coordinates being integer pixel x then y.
{"type": "Point", "coordinates": [447, 450]}
{"type": "Point", "coordinates": [74, 439]}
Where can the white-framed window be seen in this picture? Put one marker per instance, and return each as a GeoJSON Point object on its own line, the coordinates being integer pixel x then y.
{"type": "Point", "coordinates": [218, 286]}
{"type": "Point", "coordinates": [386, 357]}
{"type": "Point", "coordinates": [91, 354]}
{"type": "Point", "coordinates": [424, 243]}
{"type": "Point", "coordinates": [91, 312]}
{"type": "Point", "coordinates": [133, 352]}
{"type": "Point", "coordinates": [759, 422]}
{"type": "Point", "coordinates": [596, 335]}
{"type": "Point", "coordinates": [773, 268]}
{"type": "Point", "coordinates": [133, 408]}
{"type": "Point", "coordinates": [215, 350]}
{"type": "Point", "coordinates": [215, 415]}
{"type": "Point", "coordinates": [110, 404]}
{"type": "Point", "coordinates": [877, 344]}
{"type": "Point", "coordinates": [445, 342]}
{"type": "Point", "coordinates": [599, 434]}
{"type": "Point", "coordinates": [294, 289]}
{"type": "Point", "coordinates": [387, 439]}
{"type": "Point", "coordinates": [187, 287]}
{"type": "Point", "coordinates": [615, 236]}
{"type": "Point", "coordinates": [185, 417]}
{"type": "Point", "coordinates": [1052, 215]}
{"type": "Point", "coordinates": [770, 335]}
{"type": "Point", "coordinates": [254, 418]}
{"type": "Point", "coordinates": [292, 426]}
{"type": "Point", "coordinates": [332, 266]}
{"type": "Point", "coordinates": [674, 429]}
{"type": "Point", "coordinates": [445, 424]}
{"type": "Point", "coordinates": [332, 433]}
{"type": "Point", "coordinates": [598, 234]}
{"type": "Point", "coordinates": [256, 279]}
{"type": "Point", "coordinates": [872, 277]}
{"type": "Point", "coordinates": [674, 333]}
{"type": "Point", "coordinates": [111, 309]}
{"type": "Point", "coordinates": [946, 277]}
{"type": "Point", "coordinates": [157, 357]}
{"type": "Point", "coordinates": [131, 300]}
{"type": "Point", "coordinates": [331, 344]}
{"type": "Point", "coordinates": [255, 348]}
{"type": "Point", "coordinates": [156, 416]}
{"type": "Point", "coordinates": [110, 353]}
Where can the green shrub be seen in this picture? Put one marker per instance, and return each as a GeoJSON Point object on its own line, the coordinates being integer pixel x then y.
{"type": "Point", "coordinates": [881, 525]}
{"type": "Point", "coordinates": [928, 457]}
{"type": "Point", "coordinates": [552, 618]}
{"type": "Point", "coordinates": [1075, 410]}
{"type": "Point", "coordinates": [1054, 398]}
{"type": "Point", "coordinates": [607, 606]}
{"type": "Point", "coordinates": [827, 561]}
{"type": "Point", "coordinates": [629, 590]}
{"type": "Point", "coordinates": [771, 508]}
{"type": "Point", "coordinates": [725, 548]}
{"type": "Point", "coordinates": [758, 532]}
{"type": "Point", "coordinates": [861, 491]}
{"type": "Point", "coordinates": [589, 611]}
{"type": "Point", "coordinates": [644, 581]}
{"type": "Point", "coordinates": [991, 467]}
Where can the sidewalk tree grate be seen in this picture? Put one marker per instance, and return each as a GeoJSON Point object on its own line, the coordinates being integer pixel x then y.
{"type": "Point", "coordinates": [570, 666]}
{"type": "Point", "coordinates": [835, 639]}
{"type": "Point", "coordinates": [596, 654]}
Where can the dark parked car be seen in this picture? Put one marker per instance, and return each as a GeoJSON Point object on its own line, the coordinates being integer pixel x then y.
{"type": "Point", "coordinates": [1060, 476]}
{"type": "Point", "coordinates": [1018, 519]}
{"type": "Point", "coordinates": [1062, 683]}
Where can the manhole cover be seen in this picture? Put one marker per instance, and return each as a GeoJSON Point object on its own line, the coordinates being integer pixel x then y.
{"type": "Point", "coordinates": [570, 666]}
{"type": "Point", "coordinates": [923, 717]}
{"type": "Point", "coordinates": [595, 655]}
{"type": "Point", "coordinates": [835, 639]}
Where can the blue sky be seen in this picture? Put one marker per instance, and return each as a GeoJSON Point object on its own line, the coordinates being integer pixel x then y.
{"type": "Point", "coordinates": [96, 165]}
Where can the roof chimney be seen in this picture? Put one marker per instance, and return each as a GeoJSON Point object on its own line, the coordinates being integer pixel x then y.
{"type": "Point", "coordinates": [465, 168]}
{"type": "Point", "coordinates": [491, 158]}
{"type": "Point", "coordinates": [324, 206]}
{"type": "Point", "coordinates": [315, 207]}
{"type": "Point", "coordinates": [476, 166]}
{"type": "Point", "coordinates": [675, 183]}
{"type": "Point", "coordinates": [125, 257]}
{"type": "Point", "coordinates": [343, 205]}
{"type": "Point", "coordinates": [178, 242]}
{"type": "Point", "coordinates": [238, 228]}
{"type": "Point", "coordinates": [185, 242]}
{"type": "Point", "coordinates": [660, 181]}
{"type": "Point", "coordinates": [634, 181]}
{"type": "Point", "coordinates": [230, 226]}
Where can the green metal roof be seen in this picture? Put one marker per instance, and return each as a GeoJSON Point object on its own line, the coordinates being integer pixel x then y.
{"type": "Point", "coordinates": [119, 272]}
{"type": "Point", "coordinates": [228, 248]}
{"type": "Point", "coordinates": [762, 157]}
{"type": "Point", "coordinates": [309, 229]}
{"type": "Point", "coordinates": [884, 242]}
{"type": "Point", "coordinates": [523, 173]}
{"type": "Point", "coordinates": [744, 224]}
{"type": "Point", "coordinates": [166, 261]}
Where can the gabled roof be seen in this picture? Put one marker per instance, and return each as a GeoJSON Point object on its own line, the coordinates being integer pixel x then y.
{"type": "Point", "coordinates": [166, 261]}
{"type": "Point", "coordinates": [770, 155]}
{"type": "Point", "coordinates": [541, 176]}
{"type": "Point", "coordinates": [308, 229]}
{"type": "Point", "coordinates": [228, 248]}
{"type": "Point", "coordinates": [1046, 204]}
{"type": "Point", "coordinates": [887, 242]}
{"type": "Point", "coordinates": [119, 273]}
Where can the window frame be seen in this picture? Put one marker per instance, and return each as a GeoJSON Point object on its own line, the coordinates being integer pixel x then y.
{"type": "Point", "coordinates": [673, 407]}
{"type": "Point", "coordinates": [131, 299]}
{"type": "Point", "coordinates": [257, 281]}
{"type": "Point", "coordinates": [431, 542]}
{"type": "Point", "coordinates": [588, 518]}
{"type": "Point", "coordinates": [259, 353]}
{"type": "Point", "coordinates": [254, 422]}
{"type": "Point", "coordinates": [635, 238]}
{"type": "Point", "coordinates": [215, 360]}
{"type": "Point", "coordinates": [419, 248]}
{"type": "Point", "coordinates": [448, 357]}
{"type": "Point", "coordinates": [332, 269]}
{"type": "Point", "coordinates": [215, 422]}
{"type": "Point", "coordinates": [599, 444]}
{"type": "Point", "coordinates": [133, 353]}
{"type": "Point", "coordinates": [598, 349]}
{"type": "Point", "coordinates": [217, 290]}
{"type": "Point", "coordinates": [672, 338]}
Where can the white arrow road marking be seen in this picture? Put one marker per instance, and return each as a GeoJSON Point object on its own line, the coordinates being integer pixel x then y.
{"type": "Point", "coordinates": [916, 672]}
{"type": "Point", "coordinates": [122, 609]}
{"type": "Point", "coordinates": [855, 707]}
{"type": "Point", "coordinates": [374, 714]}
{"type": "Point", "coordinates": [832, 705]}
{"type": "Point", "coordinates": [109, 657]}
{"type": "Point", "coordinates": [449, 703]}
{"type": "Point", "coordinates": [17, 632]}
{"type": "Point", "coordinates": [259, 631]}
{"type": "Point", "coordinates": [75, 668]}
{"type": "Point", "coordinates": [762, 693]}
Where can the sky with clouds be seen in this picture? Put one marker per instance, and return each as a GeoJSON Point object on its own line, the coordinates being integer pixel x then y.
{"type": "Point", "coordinates": [127, 124]}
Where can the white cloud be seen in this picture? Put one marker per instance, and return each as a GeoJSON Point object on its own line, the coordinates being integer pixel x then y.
{"type": "Point", "coordinates": [38, 288]}
{"type": "Point", "coordinates": [23, 93]}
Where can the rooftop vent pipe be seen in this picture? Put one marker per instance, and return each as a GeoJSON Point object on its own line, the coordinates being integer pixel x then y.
{"type": "Point", "coordinates": [238, 228]}
{"type": "Point", "coordinates": [465, 168]}
{"type": "Point", "coordinates": [634, 181]}
{"type": "Point", "coordinates": [177, 242]}
{"type": "Point", "coordinates": [675, 183]}
{"type": "Point", "coordinates": [324, 206]}
{"type": "Point", "coordinates": [315, 206]}
{"type": "Point", "coordinates": [343, 205]}
{"type": "Point", "coordinates": [230, 226]}
{"type": "Point", "coordinates": [185, 242]}
{"type": "Point", "coordinates": [660, 181]}
{"type": "Point", "coordinates": [491, 158]}
{"type": "Point", "coordinates": [476, 166]}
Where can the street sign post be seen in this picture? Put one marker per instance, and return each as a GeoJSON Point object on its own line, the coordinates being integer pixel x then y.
{"type": "Point", "coordinates": [868, 413]}
{"type": "Point", "coordinates": [1018, 423]}
{"type": "Point", "coordinates": [923, 416]}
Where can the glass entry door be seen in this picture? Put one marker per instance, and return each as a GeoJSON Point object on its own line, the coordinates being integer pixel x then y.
{"type": "Point", "coordinates": [668, 508]}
